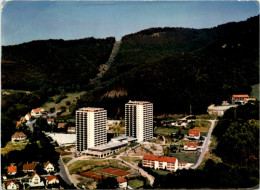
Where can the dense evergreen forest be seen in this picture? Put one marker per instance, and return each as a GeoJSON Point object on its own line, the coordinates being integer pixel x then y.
{"type": "Point", "coordinates": [56, 64]}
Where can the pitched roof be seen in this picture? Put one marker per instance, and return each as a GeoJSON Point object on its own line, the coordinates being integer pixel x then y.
{"type": "Point", "coordinates": [47, 163]}
{"type": "Point", "coordinates": [192, 144]}
{"type": "Point", "coordinates": [19, 134]}
{"type": "Point", "coordinates": [50, 119]}
{"type": "Point", "coordinates": [10, 181]}
{"type": "Point", "coordinates": [71, 128]}
{"type": "Point", "coordinates": [29, 115]}
{"type": "Point", "coordinates": [34, 175]}
{"type": "Point", "coordinates": [121, 179]}
{"type": "Point", "coordinates": [182, 163]}
{"type": "Point", "coordinates": [194, 132]}
{"type": "Point", "coordinates": [51, 177]}
{"type": "Point", "coordinates": [22, 119]}
{"type": "Point", "coordinates": [240, 95]}
{"type": "Point", "coordinates": [160, 158]}
{"type": "Point", "coordinates": [61, 125]}
{"type": "Point", "coordinates": [28, 166]}
{"type": "Point", "coordinates": [12, 169]}
{"type": "Point", "coordinates": [37, 109]}
{"type": "Point", "coordinates": [18, 123]}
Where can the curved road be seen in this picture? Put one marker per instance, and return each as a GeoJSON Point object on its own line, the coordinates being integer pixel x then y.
{"type": "Point", "coordinates": [205, 144]}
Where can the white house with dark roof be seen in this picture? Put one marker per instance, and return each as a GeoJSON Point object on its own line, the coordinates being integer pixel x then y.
{"type": "Point", "coordinates": [48, 167]}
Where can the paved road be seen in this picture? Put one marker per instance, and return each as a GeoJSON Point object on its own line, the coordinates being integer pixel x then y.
{"type": "Point", "coordinates": [64, 172]}
{"type": "Point", "coordinates": [205, 145]}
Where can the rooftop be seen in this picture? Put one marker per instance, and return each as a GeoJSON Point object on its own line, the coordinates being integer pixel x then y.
{"type": "Point", "coordinates": [139, 102]}
{"type": "Point", "coordinates": [240, 95]}
{"type": "Point", "coordinates": [160, 158]}
{"type": "Point", "coordinates": [91, 109]}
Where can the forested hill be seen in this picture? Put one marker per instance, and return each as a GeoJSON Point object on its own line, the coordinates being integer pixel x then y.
{"type": "Point", "coordinates": [178, 67]}
{"type": "Point", "coordinates": [54, 64]}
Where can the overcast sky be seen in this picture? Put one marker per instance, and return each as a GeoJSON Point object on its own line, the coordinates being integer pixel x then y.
{"type": "Point", "coordinates": [29, 20]}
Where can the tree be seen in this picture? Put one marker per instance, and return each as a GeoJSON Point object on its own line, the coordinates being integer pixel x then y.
{"type": "Point", "coordinates": [107, 183]}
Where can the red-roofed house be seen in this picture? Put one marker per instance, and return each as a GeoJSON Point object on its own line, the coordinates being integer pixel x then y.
{"type": "Point", "coordinates": [28, 168]}
{"type": "Point", "coordinates": [71, 129]}
{"type": "Point", "coordinates": [50, 121]}
{"type": "Point", "coordinates": [122, 182]}
{"type": "Point", "coordinates": [22, 119]}
{"type": "Point", "coordinates": [239, 98]}
{"type": "Point", "coordinates": [28, 117]}
{"type": "Point", "coordinates": [18, 137]}
{"type": "Point", "coordinates": [18, 124]}
{"type": "Point", "coordinates": [11, 184]}
{"type": "Point", "coordinates": [52, 180]}
{"type": "Point", "coordinates": [37, 112]}
{"type": "Point", "coordinates": [160, 162]}
{"type": "Point", "coordinates": [191, 146]}
{"type": "Point", "coordinates": [35, 180]}
{"type": "Point", "coordinates": [12, 170]}
{"type": "Point", "coordinates": [61, 125]}
{"type": "Point", "coordinates": [193, 134]}
{"type": "Point", "coordinates": [48, 167]}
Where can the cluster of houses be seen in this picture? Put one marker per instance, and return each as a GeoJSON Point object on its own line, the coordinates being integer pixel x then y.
{"type": "Point", "coordinates": [34, 181]}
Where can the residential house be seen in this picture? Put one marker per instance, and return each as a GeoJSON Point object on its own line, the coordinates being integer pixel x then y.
{"type": "Point", "coordinates": [52, 180]}
{"type": "Point", "coordinates": [239, 98]}
{"type": "Point", "coordinates": [38, 112]}
{"type": "Point", "coordinates": [193, 134]}
{"type": "Point", "coordinates": [191, 146]}
{"type": "Point", "coordinates": [246, 100]}
{"type": "Point", "coordinates": [61, 125]}
{"type": "Point", "coordinates": [28, 168]}
{"type": "Point", "coordinates": [71, 129]}
{"type": "Point", "coordinates": [11, 184]}
{"type": "Point", "coordinates": [48, 167]}
{"type": "Point", "coordinates": [28, 117]}
{"type": "Point", "coordinates": [4, 177]}
{"type": "Point", "coordinates": [160, 162]}
{"type": "Point", "coordinates": [50, 121]}
{"type": "Point", "coordinates": [122, 182]}
{"type": "Point", "coordinates": [35, 180]}
{"type": "Point", "coordinates": [18, 124]}
{"type": "Point", "coordinates": [18, 137]}
{"type": "Point", "coordinates": [184, 165]}
{"type": "Point", "coordinates": [22, 119]}
{"type": "Point", "coordinates": [12, 170]}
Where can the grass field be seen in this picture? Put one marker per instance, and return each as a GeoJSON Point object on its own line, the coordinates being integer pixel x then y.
{"type": "Point", "coordinates": [161, 172]}
{"type": "Point", "coordinates": [62, 151]}
{"type": "Point", "coordinates": [135, 183]}
{"type": "Point", "coordinates": [72, 97]}
{"type": "Point", "coordinates": [131, 159]}
{"type": "Point", "coordinates": [206, 116]}
{"type": "Point", "coordinates": [186, 157]}
{"type": "Point", "coordinates": [10, 146]}
{"type": "Point", "coordinates": [169, 130]}
{"type": "Point", "coordinates": [255, 91]}
{"type": "Point", "coordinates": [95, 165]}
{"type": "Point", "coordinates": [66, 159]}
{"type": "Point", "coordinates": [203, 126]}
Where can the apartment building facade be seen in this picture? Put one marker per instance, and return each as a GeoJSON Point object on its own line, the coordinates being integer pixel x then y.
{"type": "Point", "coordinates": [160, 162]}
{"type": "Point", "coordinates": [139, 120]}
{"type": "Point", "coordinates": [90, 128]}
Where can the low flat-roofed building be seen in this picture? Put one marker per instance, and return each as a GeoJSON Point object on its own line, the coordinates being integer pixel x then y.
{"type": "Point", "coordinates": [63, 139]}
{"type": "Point", "coordinates": [113, 146]}
{"type": "Point", "coordinates": [219, 110]}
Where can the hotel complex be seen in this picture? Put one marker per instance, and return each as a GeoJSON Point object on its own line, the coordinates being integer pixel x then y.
{"type": "Point", "coordinates": [139, 120]}
{"type": "Point", "coordinates": [90, 127]}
